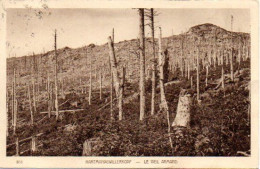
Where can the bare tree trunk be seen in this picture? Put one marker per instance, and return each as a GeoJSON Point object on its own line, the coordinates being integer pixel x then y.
{"type": "Point", "coordinates": [163, 106]}
{"type": "Point", "coordinates": [222, 72]}
{"type": "Point", "coordinates": [62, 88]}
{"type": "Point", "coordinates": [100, 85]}
{"type": "Point", "coordinates": [185, 68]}
{"type": "Point", "coordinates": [198, 77]}
{"type": "Point", "coordinates": [7, 114]}
{"type": "Point", "coordinates": [191, 82]}
{"type": "Point", "coordinates": [249, 106]}
{"type": "Point", "coordinates": [231, 65]}
{"type": "Point", "coordinates": [111, 95]}
{"type": "Point", "coordinates": [96, 72]}
{"type": "Point", "coordinates": [52, 96]}
{"type": "Point", "coordinates": [239, 55]}
{"type": "Point", "coordinates": [15, 115]}
{"type": "Point", "coordinates": [14, 103]}
{"type": "Point", "coordinates": [13, 96]}
{"type": "Point", "coordinates": [56, 77]}
{"type": "Point", "coordinates": [123, 78]}
{"type": "Point", "coordinates": [188, 69]}
{"type": "Point", "coordinates": [209, 58]}
{"type": "Point", "coordinates": [34, 96]}
{"type": "Point", "coordinates": [37, 80]}
{"type": "Point", "coordinates": [49, 96]}
{"type": "Point", "coordinates": [121, 95]}
{"type": "Point", "coordinates": [215, 58]}
{"type": "Point", "coordinates": [90, 83]}
{"type": "Point", "coordinates": [203, 62]}
{"type": "Point", "coordinates": [207, 72]}
{"type": "Point", "coordinates": [111, 84]}
{"type": "Point", "coordinates": [118, 86]}
{"type": "Point", "coordinates": [113, 35]}
{"type": "Point", "coordinates": [227, 58]}
{"type": "Point", "coordinates": [30, 103]}
{"type": "Point", "coordinates": [46, 83]}
{"type": "Point", "coordinates": [142, 63]}
{"type": "Point", "coordinates": [153, 64]}
{"type": "Point", "coordinates": [231, 54]}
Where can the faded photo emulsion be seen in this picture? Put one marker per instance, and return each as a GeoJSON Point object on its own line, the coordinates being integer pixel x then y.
{"type": "Point", "coordinates": [128, 82]}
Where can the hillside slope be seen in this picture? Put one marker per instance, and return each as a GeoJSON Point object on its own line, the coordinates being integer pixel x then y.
{"type": "Point", "coordinates": [74, 64]}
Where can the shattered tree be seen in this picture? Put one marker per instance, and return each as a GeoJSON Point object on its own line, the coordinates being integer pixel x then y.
{"type": "Point", "coordinates": [142, 63]}
{"type": "Point", "coordinates": [117, 83]}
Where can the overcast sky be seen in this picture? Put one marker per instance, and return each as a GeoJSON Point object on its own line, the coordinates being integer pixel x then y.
{"type": "Point", "coordinates": [30, 31]}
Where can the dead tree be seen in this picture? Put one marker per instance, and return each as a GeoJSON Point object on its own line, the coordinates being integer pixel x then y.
{"type": "Point", "coordinates": [117, 84]}
{"type": "Point", "coordinates": [231, 52]}
{"type": "Point", "coordinates": [150, 15]}
{"type": "Point", "coordinates": [111, 94]}
{"type": "Point", "coordinates": [15, 115]}
{"type": "Point", "coordinates": [90, 82]}
{"type": "Point", "coordinates": [181, 58]}
{"type": "Point", "coordinates": [222, 71]}
{"type": "Point", "coordinates": [13, 96]}
{"type": "Point", "coordinates": [198, 75]}
{"type": "Point", "coordinates": [183, 110]}
{"type": "Point", "coordinates": [52, 101]}
{"type": "Point", "coordinates": [7, 113]}
{"type": "Point", "coordinates": [49, 96]}
{"type": "Point", "coordinates": [113, 35]}
{"type": "Point", "coordinates": [239, 54]}
{"type": "Point", "coordinates": [153, 64]}
{"type": "Point", "coordinates": [207, 73]}
{"type": "Point", "coordinates": [17, 146]}
{"type": "Point", "coordinates": [226, 58]}
{"type": "Point", "coordinates": [56, 77]}
{"type": "Point", "coordinates": [188, 69]}
{"type": "Point", "coordinates": [62, 88]}
{"type": "Point", "coordinates": [30, 104]}
{"type": "Point", "coordinates": [100, 85]}
{"type": "Point", "coordinates": [111, 84]}
{"type": "Point", "coordinates": [14, 118]}
{"type": "Point", "coordinates": [34, 95]}
{"type": "Point", "coordinates": [123, 78]}
{"type": "Point", "coordinates": [38, 78]}
{"type": "Point", "coordinates": [191, 82]}
{"type": "Point", "coordinates": [142, 62]}
{"type": "Point", "coordinates": [89, 146]}
{"type": "Point", "coordinates": [96, 72]}
{"type": "Point", "coordinates": [33, 144]}
{"type": "Point", "coordinates": [34, 79]}
{"type": "Point", "coordinates": [163, 105]}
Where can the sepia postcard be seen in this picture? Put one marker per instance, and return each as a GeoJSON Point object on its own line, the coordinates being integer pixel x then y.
{"type": "Point", "coordinates": [129, 84]}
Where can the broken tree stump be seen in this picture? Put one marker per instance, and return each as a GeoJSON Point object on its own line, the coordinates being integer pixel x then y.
{"type": "Point", "coordinates": [17, 148]}
{"type": "Point", "coordinates": [89, 145]}
{"type": "Point", "coordinates": [183, 110]}
{"type": "Point", "coordinates": [33, 144]}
